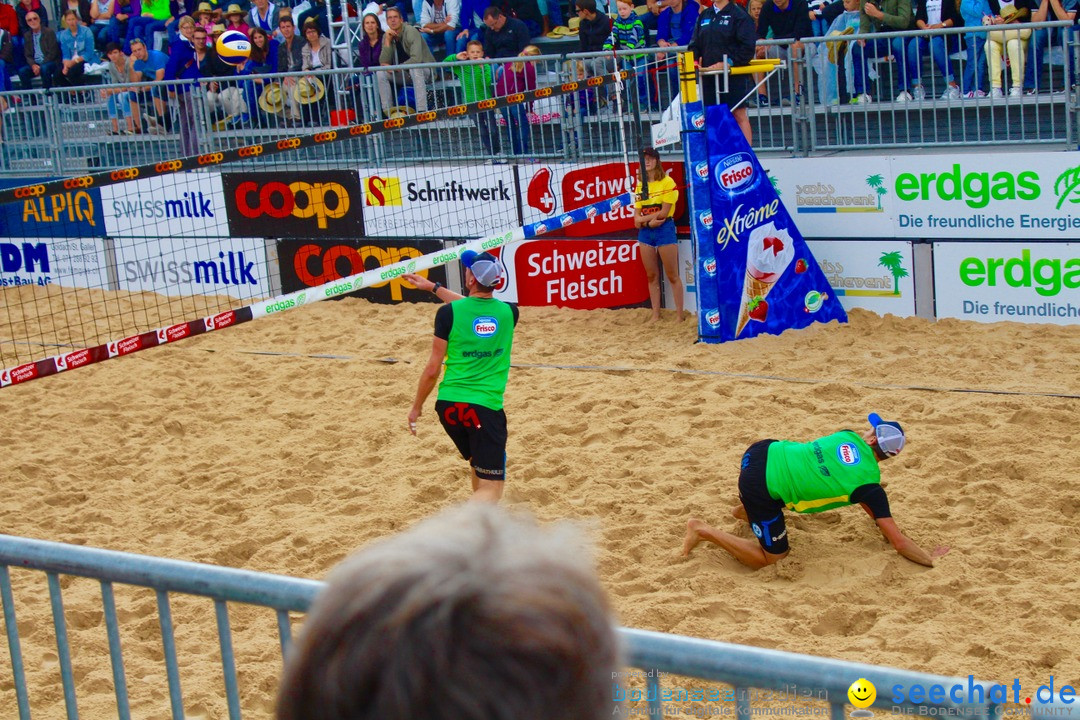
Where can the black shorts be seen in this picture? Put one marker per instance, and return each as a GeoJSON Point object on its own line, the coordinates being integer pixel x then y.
{"type": "Point", "coordinates": [766, 513]}
{"type": "Point", "coordinates": [480, 436]}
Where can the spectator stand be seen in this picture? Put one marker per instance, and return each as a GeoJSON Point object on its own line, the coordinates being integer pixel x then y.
{"type": "Point", "coordinates": [65, 131]}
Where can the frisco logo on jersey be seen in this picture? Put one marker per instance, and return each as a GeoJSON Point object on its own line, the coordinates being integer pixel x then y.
{"type": "Point", "coordinates": [485, 326]}
{"type": "Point", "coordinates": [848, 454]}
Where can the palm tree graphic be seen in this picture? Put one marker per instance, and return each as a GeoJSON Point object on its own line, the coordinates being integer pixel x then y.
{"type": "Point", "coordinates": [891, 262]}
{"type": "Point", "coordinates": [877, 182]}
{"type": "Point", "coordinates": [775, 184]}
{"type": "Point", "coordinates": [1068, 183]}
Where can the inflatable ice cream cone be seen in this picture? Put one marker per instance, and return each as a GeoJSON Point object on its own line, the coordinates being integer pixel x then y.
{"type": "Point", "coordinates": [769, 252]}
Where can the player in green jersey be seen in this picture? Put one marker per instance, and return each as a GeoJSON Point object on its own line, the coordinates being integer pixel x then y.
{"type": "Point", "coordinates": [834, 471]}
{"type": "Point", "coordinates": [473, 335]}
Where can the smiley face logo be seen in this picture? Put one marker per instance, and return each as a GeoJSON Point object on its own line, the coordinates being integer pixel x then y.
{"type": "Point", "coordinates": [862, 693]}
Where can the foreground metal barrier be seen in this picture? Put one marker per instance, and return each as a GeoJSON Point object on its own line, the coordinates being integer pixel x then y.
{"type": "Point", "coordinates": [739, 666]}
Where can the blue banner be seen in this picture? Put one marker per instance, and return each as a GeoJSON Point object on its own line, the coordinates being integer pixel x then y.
{"type": "Point", "coordinates": [73, 213]}
{"type": "Point", "coordinates": [755, 272]}
{"type": "Point", "coordinates": [699, 207]}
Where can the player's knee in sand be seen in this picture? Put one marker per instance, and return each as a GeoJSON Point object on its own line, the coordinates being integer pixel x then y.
{"type": "Point", "coordinates": [831, 472]}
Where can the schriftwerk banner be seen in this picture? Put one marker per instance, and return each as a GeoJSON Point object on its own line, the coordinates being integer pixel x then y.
{"type": "Point", "coordinates": [767, 280]}
{"type": "Point", "coordinates": [439, 201]}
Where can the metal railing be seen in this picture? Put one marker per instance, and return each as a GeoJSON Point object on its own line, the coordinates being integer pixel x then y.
{"type": "Point", "coordinates": [804, 108]}
{"type": "Point", "coordinates": [740, 666]}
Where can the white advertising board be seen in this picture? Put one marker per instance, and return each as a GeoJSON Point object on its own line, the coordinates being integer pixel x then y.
{"type": "Point", "coordinates": [1017, 281]}
{"type": "Point", "coordinates": [1034, 195]}
{"type": "Point", "coordinates": [439, 201]}
{"type": "Point", "coordinates": [217, 266]}
{"type": "Point", "coordinates": [176, 205]}
{"type": "Point", "coordinates": [873, 275]}
{"type": "Point", "coordinates": [76, 262]}
{"type": "Point", "coordinates": [836, 197]}
{"type": "Point", "coordinates": [989, 195]}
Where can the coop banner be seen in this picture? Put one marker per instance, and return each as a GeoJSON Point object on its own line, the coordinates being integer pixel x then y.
{"type": "Point", "coordinates": [310, 263]}
{"type": "Point", "coordinates": [460, 201]}
{"type": "Point", "coordinates": [289, 204]}
{"type": "Point", "coordinates": [767, 281]}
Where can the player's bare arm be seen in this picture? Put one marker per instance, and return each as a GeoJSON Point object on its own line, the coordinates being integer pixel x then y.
{"type": "Point", "coordinates": [428, 378]}
{"type": "Point", "coordinates": [906, 546]}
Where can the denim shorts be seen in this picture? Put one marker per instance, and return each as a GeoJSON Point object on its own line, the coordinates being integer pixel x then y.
{"type": "Point", "coordinates": [657, 236]}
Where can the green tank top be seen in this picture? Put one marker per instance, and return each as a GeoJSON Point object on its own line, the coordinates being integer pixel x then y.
{"type": "Point", "coordinates": [820, 475]}
{"type": "Point", "coordinates": [478, 352]}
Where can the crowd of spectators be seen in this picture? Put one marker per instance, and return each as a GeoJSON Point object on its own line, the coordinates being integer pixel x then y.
{"type": "Point", "coordinates": [124, 41]}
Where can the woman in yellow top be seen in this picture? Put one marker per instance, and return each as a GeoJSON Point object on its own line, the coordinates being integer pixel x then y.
{"type": "Point", "coordinates": [656, 231]}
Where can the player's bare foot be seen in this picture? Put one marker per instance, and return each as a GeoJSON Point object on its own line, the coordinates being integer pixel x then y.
{"type": "Point", "coordinates": [692, 537]}
{"type": "Point", "coordinates": [739, 513]}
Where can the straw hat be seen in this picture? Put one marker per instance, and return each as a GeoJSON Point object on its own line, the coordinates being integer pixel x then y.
{"type": "Point", "coordinates": [217, 29]}
{"type": "Point", "coordinates": [272, 99]}
{"type": "Point", "coordinates": [308, 90]}
{"type": "Point", "coordinates": [575, 25]}
{"type": "Point", "coordinates": [204, 7]}
{"type": "Point", "coordinates": [641, 9]}
{"type": "Point", "coordinates": [398, 111]}
{"type": "Point", "coordinates": [234, 9]}
{"type": "Point", "coordinates": [558, 32]}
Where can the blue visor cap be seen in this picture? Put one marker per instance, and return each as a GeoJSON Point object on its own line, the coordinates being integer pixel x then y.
{"type": "Point", "coordinates": [890, 436]}
{"type": "Point", "coordinates": [484, 266]}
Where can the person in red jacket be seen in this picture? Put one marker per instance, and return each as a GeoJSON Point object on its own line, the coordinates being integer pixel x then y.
{"type": "Point", "coordinates": [9, 21]}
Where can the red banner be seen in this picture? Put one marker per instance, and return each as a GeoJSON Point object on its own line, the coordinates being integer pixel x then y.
{"type": "Point", "coordinates": [580, 274]}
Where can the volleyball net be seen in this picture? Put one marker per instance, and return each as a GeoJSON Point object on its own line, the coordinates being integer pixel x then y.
{"type": "Point", "coordinates": [105, 264]}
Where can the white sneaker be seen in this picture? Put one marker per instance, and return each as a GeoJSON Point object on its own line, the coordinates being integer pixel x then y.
{"type": "Point", "coordinates": [904, 97]}
{"type": "Point", "coordinates": [952, 92]}
{"type": "Point", "coordinates": [1016, 92]}
{"type": "Point", "coordinates": [972, 94]}
{"type": "Point", "coordinates": [861, 99]}
{"type": "Point", "coordinates": [995, 93]}
{"type": "Point", "coordinates": [918, 93]}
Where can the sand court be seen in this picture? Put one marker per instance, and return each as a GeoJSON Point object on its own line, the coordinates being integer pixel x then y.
{"type": "Point", "coordinates": [281, 445]}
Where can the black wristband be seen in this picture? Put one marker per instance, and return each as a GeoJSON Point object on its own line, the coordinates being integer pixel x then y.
{"type": "Point", "coordinates": [435, 290]}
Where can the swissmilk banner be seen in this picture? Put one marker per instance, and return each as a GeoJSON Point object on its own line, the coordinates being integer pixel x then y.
{"type": "Point", "coordinates": [767, 281]}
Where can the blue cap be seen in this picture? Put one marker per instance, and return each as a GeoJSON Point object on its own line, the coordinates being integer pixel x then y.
{"type": "Point", "coordinates": [890, 436]}
{"type": "Point", "coordinates": [484, 266]}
